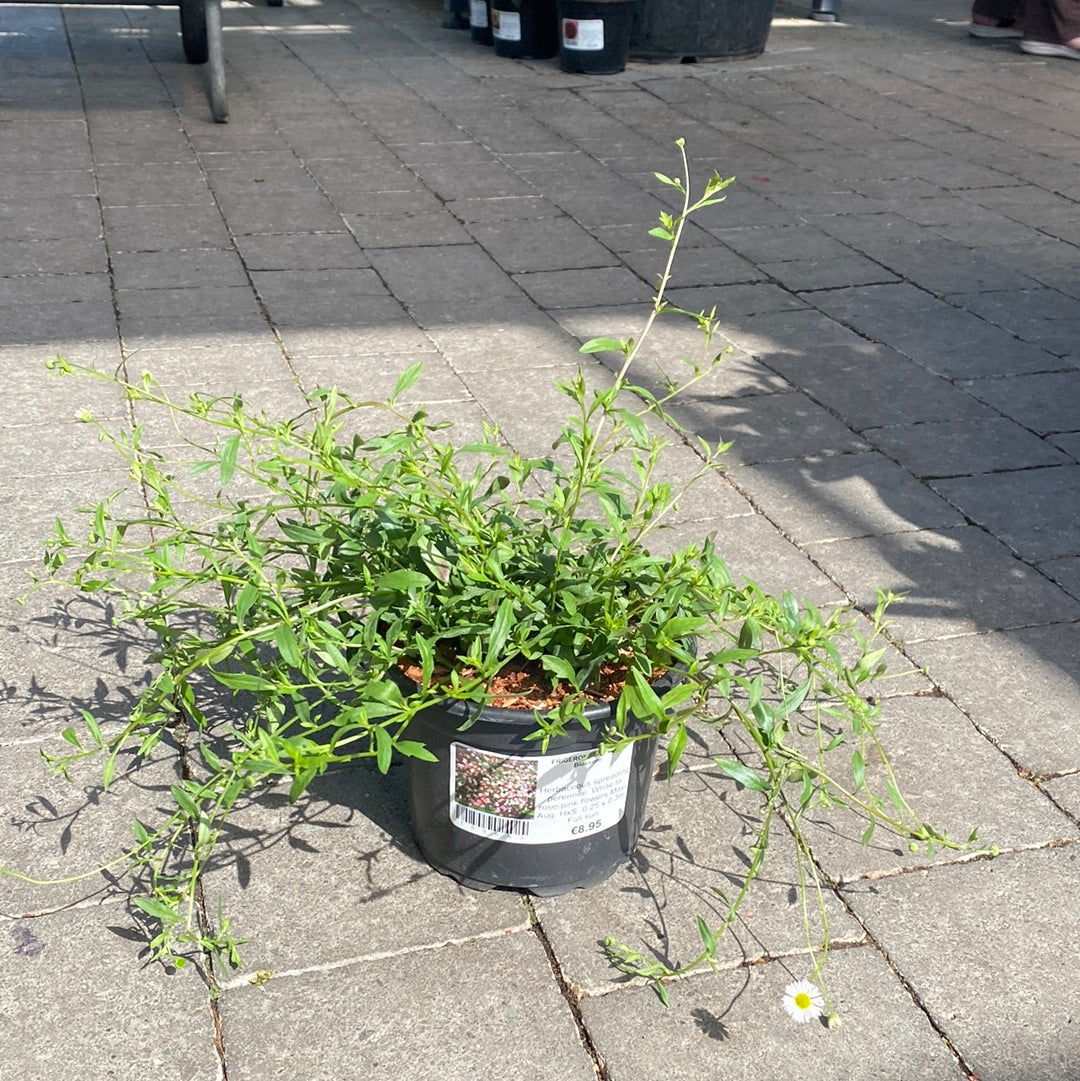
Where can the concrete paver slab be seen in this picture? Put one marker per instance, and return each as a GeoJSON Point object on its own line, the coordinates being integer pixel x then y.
{"type": "Point", "coordinates": [1036, 510]}
{"type": "Point", "coordinates": [351, 835]}
{"type": "Point", "coordinates": [1027, 713]}
{"type": "Point", "coordinates": [135, 1020]}
{"type": "Point", "coordinates": [731, 1023]}
{"type": "Point", "coordinates": [977, 938]}
{"type": "Point", "coordinates": [956, 581]}
{"type": "Point", "coordinates": [500, 1017]}
{"type": "Point", "coordinates": [843, 496]}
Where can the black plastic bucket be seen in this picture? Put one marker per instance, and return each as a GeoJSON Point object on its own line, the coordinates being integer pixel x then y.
{"type": "Point", "coordinates": [527, 30]}
{"type": "Point", "coordinates": [494, 810]}
{"type": "Point", "coordinates": [480, 21]}
{"type": "Point", "coordinates": [690, 30]}
{"type": "Point", "coordinates": [594, 35]}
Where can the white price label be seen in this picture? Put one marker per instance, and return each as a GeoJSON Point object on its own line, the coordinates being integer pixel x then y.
{"type": "Point", "coordinates": [542, 800]}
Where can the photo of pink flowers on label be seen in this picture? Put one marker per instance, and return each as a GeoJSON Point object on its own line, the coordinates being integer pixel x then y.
{"type": "Point", "coordinates": [537, 800]}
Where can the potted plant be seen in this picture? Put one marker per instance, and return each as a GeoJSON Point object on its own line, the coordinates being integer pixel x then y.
{"type": "Point", "coordinates": [359, 586]}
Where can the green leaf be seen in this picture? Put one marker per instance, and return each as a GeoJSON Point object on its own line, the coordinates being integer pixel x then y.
{"type": "Point", "coordinates": [184, 801]}
{"type": "Point", "coordinates": [743, 775]}
{"type": "Point", "coordinates": [501, 626]}
{"type": "Point", "coordinates": [228, 457]}
{"type": "Point", "coordinates": [858, 770]}
{"type": "Point", "coordinates": [153, 907]}
{"type": "Point", "coordinates": [708, 939]}
{"type": "Point", "coordinates": [287, 645]}
{"type": "Point", "coordinates": [243, 681]}
{"type": "Point", "coordinates": [603, 345]}
{"type": "Point", "coordinates": [384, 749]}
{"type": "Point", "coordinates": [560, 669]}
{"type": "Point", "coordinates": [676, 746]}
{"type": "Point", "coordinates": [407, 379]}
{"type": "Point", "coordinates": [412, 748]}
{"type": "Point", "coordinates": [401, 581]}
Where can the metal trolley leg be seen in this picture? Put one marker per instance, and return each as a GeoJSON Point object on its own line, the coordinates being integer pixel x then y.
{"type": "Point", "coordinates": [200, 30]}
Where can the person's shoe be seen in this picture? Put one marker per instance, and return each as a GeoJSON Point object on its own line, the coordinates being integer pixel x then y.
{"type": "Point", "coordinates": [1004, 29]}
{"type": "Point", "coordinates": [1050, 48]}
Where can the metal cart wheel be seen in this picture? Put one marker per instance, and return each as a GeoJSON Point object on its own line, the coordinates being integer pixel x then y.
{"type": "Point", "coordinates": [193, 30]}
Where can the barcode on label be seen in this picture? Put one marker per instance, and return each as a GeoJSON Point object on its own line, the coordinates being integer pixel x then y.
{"type": "Point", "coordinates": [513, 827]}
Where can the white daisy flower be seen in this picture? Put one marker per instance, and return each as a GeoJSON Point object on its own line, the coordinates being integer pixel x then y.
{"type": "Point", "coordinates": [803, 1001]}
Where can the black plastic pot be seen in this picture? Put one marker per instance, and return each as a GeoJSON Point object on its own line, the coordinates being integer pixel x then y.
{"type": "Point", "coordinates": [495, 811]}
{"type": "Point", "coordinates": [524, 29]}
{"type": "Point", "coordinates": [688, 30]}
{"type": "Point", "coordinates": [480, 21]}
{"type": "Point", "coordinates": [594, 35]}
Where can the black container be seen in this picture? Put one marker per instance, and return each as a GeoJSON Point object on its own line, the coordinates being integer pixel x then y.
{"type": "Point", "coordinates": [594, 35]}
{"type": "Point", "coordinates": [525, 30]}
{"type": "Point", "coordinates": [689, 30]}
{"type": "Point", "coordinates": [495, 811]}
{"type": "Point", "coordinates": [480, 21]}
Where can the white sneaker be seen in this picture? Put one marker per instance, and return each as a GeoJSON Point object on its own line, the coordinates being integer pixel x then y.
{"type": "Point", "coordinates": [1049, 48]}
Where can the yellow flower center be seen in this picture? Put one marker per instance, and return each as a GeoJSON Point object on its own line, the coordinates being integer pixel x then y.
{"type": "Point", "coordinates": [802, 1000]}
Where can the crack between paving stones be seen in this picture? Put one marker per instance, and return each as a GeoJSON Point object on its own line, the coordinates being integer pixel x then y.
{"type": "Point", "coordinates": [571, 995]}
{"type": "Point", "coordinates": [964, 1065]}
{"type": "Point", "coordinates": [264, 976]}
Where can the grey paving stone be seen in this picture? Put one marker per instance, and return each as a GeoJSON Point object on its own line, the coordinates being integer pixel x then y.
{"type": "Point", "coordinates": [583, 288]}
{"type": "Point", "coordinates": [301, 251]}
{"type": "Point", "coordinates": [737, 1019]}
{"type": "Point", "coordinates": [163, 228]}
{"type": "Point", "coordinates": [1065, 792]}
{"type": "Point", "coordinates": [463, 180]}
{"type": "Point", "coordinates": [509, 208]}
{"type": "Point", "coordinates": [869, 385]}
{"type": "Point", "coordinates": [803, 275]}
{"type": "Point", "coordinates": [44, 181]}
{"type": "Point", "coordinates": [384, 328]}
{"type": "Point", "coordinates": [956, 581]}
{"type": "Point", "coordinates": [153, 183]}
{"type": "Point", "coordinates": [976, 938]}
{"type": "Point", "coordinates": [690, 862]}
{"type": "Point", "coordinates": [280, 212]}
{"type": "Point", "coordinates": [1018, 687]}
{"type": "Point", "coordinates": [455, 272]}
{"type": "Point", "coordinates": [755, 551]}
{"type": "Point", "coordinates": [1042, 402]}
{"type": "Point", "coordinates": [84, 255]}
{"type": "Point", "coordinates": [497, 996]}
{"type": "Point", "coordinates": [971, 446]}
{"type": "Point", "coordinates": [147, 305]}
{"type": "Point", "coordinates": [372, 377]}
{"type": "Point", "coordinates": [1065, 571]}
{"type": "Point", "coordinates": [404, 231]}
{"type": "Point", "coordinates": [349, 839]}
{"type": "Point", "coordinates": [57, 830]}
{"type": "Point", "coordinates": [225, 364]}
{"type": "Point", "coordinates": [930, 743]}
{"type": "Point", "coordinates": [206, 267]}
{"type": "Point", "coordinates": [775, 427]}
{"type": "Point", "coordinates": [318, 297]}
{"type": "Point", "coordinates": [52, 447]}
{"type": "Point", "coordinates": [541, 244]}
{"type": "Point", "coordinates": [843, 496]}
{"type": "Point", "coordinates": [1035, 511]}
{"type": "Point", "coordinates": [139, 1019]}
